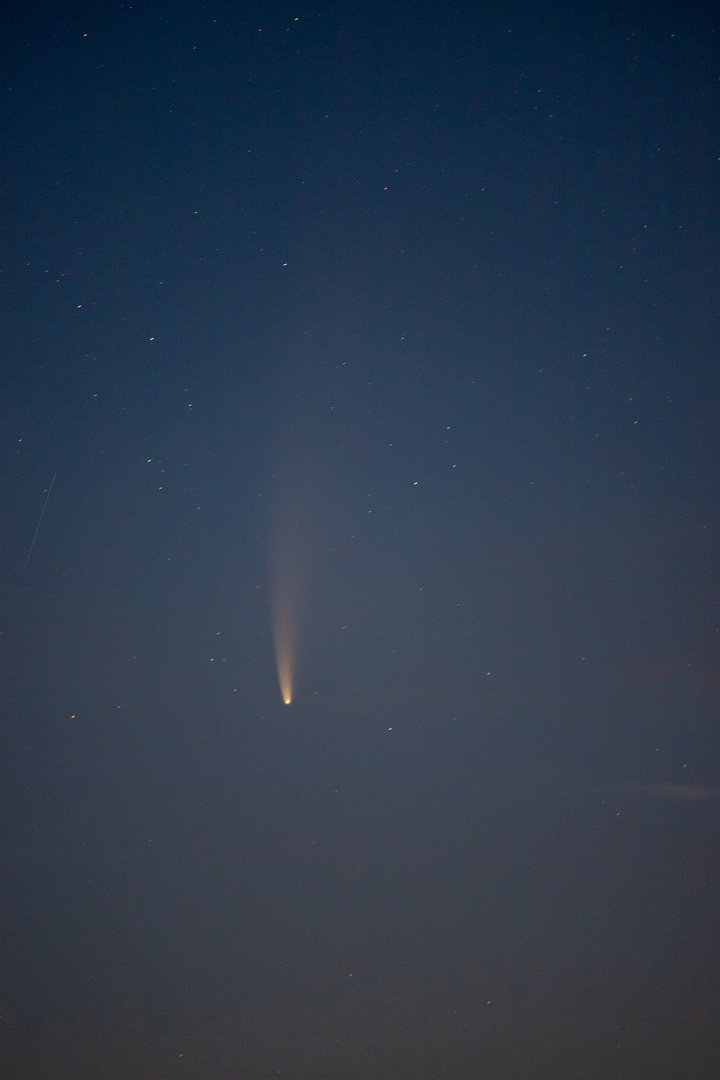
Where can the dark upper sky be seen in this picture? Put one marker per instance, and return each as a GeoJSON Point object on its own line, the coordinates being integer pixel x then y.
{"type": "Point", "coordinates": [394, 329]}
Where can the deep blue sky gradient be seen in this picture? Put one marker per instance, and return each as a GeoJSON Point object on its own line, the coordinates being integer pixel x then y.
{"type": "Point", "coordinates": [427, 297]}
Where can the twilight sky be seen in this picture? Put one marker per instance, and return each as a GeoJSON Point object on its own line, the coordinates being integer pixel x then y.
{"type": "Point", "coordinates": [377, 343]}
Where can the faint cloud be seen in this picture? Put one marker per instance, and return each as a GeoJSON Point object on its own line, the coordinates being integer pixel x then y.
{"type": "Point", "coordinates": [679, 792]}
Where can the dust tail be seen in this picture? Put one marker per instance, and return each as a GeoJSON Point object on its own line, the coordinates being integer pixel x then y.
{"type": "Point", "coordinates": [284, 633]}
{"type": "Point", "coordinates": [284, 657]}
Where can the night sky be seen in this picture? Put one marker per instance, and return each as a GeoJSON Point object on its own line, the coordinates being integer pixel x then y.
{"type": "Point", "coordinates": [372, 348]}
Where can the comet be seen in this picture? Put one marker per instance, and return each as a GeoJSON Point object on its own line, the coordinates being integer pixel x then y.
{"type": "Point", "coordinates": [284, 635]}
{"type": "Point", "coordinates": [285, 605]}
{"type": "Point", "coordinates": [289, 537]}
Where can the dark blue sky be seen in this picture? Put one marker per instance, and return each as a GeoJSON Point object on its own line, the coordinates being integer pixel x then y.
{"type": "Point", "coordinates": [402, 321]}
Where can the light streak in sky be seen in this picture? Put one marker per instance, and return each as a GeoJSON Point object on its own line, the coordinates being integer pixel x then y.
{"type": "Point", "coordinates": [285, 640]}
{"type": "Point", "coordinates": [285, 600]}
{"type": "Point", "coordinates": [42, 515]}
{"type": "Point", "coordinates": [290, 531]}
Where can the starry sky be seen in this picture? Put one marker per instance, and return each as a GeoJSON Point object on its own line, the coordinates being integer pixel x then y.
{"type": "Point", "coordinates": [363, 355]}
